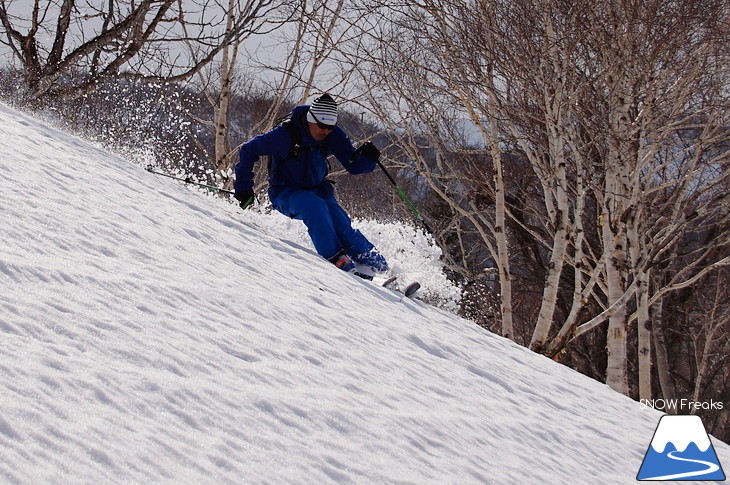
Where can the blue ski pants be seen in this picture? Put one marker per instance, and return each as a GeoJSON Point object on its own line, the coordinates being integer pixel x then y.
{"type": "Point", "coordinates": [328, 224]}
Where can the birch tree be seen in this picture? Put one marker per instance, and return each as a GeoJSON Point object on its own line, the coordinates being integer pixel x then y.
{"type": "Point", "coordinates": [404, 77]}
{"type": "Point", "coordinates": [217, 82]}
{"type": "Point", "coordinates": [621, 111]}
{"type": "Point", "coordinates": [665, 140]}
{"type": "Point", "coordinates": [67, 48]}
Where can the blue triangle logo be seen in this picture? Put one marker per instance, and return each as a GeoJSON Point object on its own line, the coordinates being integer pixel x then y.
{"type": "Point", "coordinates": [680, 450]}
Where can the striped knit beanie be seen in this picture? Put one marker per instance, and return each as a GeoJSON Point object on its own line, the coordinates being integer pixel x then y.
{"type": "Point", "coordinates": [323, 110]}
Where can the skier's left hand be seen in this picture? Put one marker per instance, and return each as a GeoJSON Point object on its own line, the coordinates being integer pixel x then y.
{"type": "Point", "coordinates": [370, 151]}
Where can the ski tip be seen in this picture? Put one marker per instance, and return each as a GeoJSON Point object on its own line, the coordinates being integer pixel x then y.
{"type": "Point", "coordinates": [363, 275]}
{"type": "Point", "coordinates": [411, 289]}
{"type": "Point", "coordinates": [389, 281]}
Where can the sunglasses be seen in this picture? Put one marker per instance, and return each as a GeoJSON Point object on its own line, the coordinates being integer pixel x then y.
{"type": "Point", "coordinates": [321, 125]}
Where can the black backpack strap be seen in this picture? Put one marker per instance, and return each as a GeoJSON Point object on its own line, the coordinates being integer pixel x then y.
{"type": "Point", "coordinates": [296, 141]}
{"type": "Point", "coordinates": [295, 148]}
{"type": "Point", "coordinates": [295, 136]}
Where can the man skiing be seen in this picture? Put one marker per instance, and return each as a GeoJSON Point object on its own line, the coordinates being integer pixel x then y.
{"type": "Point", "coordinates": [297, 186]}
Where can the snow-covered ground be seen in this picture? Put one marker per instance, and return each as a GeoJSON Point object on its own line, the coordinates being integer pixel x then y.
{"type": "Point", "coordinates": [152, 334]}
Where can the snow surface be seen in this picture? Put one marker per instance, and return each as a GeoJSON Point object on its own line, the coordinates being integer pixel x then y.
{"type": "Point", "coordinates": [152, 334]}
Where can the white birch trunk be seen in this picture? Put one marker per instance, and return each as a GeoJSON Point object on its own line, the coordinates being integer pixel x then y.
{"type": "Point", "coordinates": [614, 246]}
{"type": "Point", "coordinates": [492, 139]}
{"type": "Point", "coordinates": [616, 375]}
{"type": "Point", "coordinates": [583, 268]}
{"type": "Point", "coordinates": [500, 221]}
{"type": "Point", "coordinates": [505, 277]}
{"type": "Point", "coordinates": [557, 189]}
{"type": "Point", "coordinates": [223, 161]}
{"type": "Point", "coordinates": [557, 258]}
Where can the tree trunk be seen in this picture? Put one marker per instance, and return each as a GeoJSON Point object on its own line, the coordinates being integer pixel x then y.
{"type": "Point", "coordinates": [644, 334]}
{"type": "Point", "coordinates": [616, 376]}
{"type": "Point", "coordinates": [553, 92]}
{"type": "Point", "coordinates": [664, 372]}
{"type": "Point", "coordinates": [222, 150]}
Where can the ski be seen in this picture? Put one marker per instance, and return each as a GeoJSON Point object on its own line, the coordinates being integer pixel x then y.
{"type": "Point", "coordinates": [388, 281]}
{"type": "Point", "coordinates": [363, 275]}
{"type": "Point", "coordinates": [409, 291]}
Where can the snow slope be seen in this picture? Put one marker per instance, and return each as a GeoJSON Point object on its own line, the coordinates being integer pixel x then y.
{"type": "Point", "coordinates": [151, 334]}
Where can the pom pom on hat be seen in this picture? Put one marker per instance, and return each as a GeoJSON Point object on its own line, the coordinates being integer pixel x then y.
{"type": "Point", "coordinates": [323, 110]}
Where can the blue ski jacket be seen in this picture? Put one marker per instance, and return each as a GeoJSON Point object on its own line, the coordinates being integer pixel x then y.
{"type": "Point", "coordinates": [306, 169]}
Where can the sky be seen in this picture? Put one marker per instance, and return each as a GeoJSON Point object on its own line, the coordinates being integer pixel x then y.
{"type": "Point", "coordinates": [151, 333]}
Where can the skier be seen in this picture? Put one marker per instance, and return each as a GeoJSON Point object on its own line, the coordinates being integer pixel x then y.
{"type": "Point", "coordinates": [297, 186]}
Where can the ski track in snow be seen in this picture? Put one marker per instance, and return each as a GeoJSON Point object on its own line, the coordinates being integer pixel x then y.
{"type": "Point", "coordinates": [150, 334]}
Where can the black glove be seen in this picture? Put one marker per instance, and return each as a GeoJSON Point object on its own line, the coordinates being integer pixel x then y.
{"type": "Point", "coordinates": [370, 151]}
{"type": "Point", "coordinates": [245, 198]}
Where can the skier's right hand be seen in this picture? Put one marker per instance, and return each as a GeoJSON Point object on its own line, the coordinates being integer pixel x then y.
{"type": "Point", "coordinates": [245, 198]}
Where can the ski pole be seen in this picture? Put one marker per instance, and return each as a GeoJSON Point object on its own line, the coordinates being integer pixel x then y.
{"type": "Point", "coordinates": [405, 199]}
{"type": "Point", "coordinates": [187, 180]}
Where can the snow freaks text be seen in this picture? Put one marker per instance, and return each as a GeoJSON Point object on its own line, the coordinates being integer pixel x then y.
{"type": "Point", "coordinates": [680, 405]}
